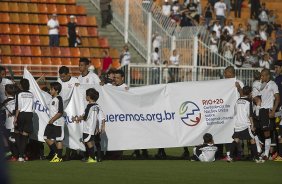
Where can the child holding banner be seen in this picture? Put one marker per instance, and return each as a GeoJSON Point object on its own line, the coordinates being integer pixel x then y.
{"type": "Point", "coordinates": [94, 124]}
{"type": "Point", "coordinates": [54, 131]}
{"type": "Point", "coordinates": [244, 125]}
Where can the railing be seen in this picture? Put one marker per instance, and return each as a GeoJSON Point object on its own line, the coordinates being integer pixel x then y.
{"type": "Point", "coordinates": [140, 75]}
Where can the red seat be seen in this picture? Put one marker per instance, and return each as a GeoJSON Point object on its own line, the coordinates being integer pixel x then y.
{"type": "Point", "coordinates": [91, 21]}
{"type": "Point", "coordinates": [26, 51]}
{"type": "Point", "coordinates": [25, 40]}
{"type": "Point", "coordinates": [13, 7]}
{"type": "Point", "coordinates": [93, 42]}
{"type": "Point", "coordinates": [42, 8]}
{"type": "Point", "coordinates": [75, 52]}
{"type": "Point", "coordinates": [81, 20]}
{"type": "Point", "coordinates": [5, 29]}
{"type": "Point", "coordinates": [62, 19]}
{"type": "Point", "coordinates": [63, 30]}
{"type": "Point", "coordinates": [46, 51]}
{"type": "Point", "coordinates": [4, 17]}
{"type": "Point", "coordinates": [24, 18]}
{"type": "Point", "coordinates": [36, 51]}
{"type": "Point", "coordinates": [24, 29]}
{"type": "Point", "coordinates": [80, 10]}
{"type": "Point", "coordinates": [55, 51]}
{"type": "Point", "coordinates": [46, 61]}
{"type": "Point", "coordinates": [32, 7]}
{"type": "Point", "coordinates": [103, 42]}
{"type": "Point", "coordinates": [16, 61]}
{"type": "Point", "coordinates": [36, 60]}
{"type": "Point", "coordinates": [71, 9]}
{"type": "Point", "coordinates": [5, 39]}
{"type": "Point", "coordinates": [6, 60]}
{"type": "Point", "coordinates": [15, 40]}
{"type": "Point", "coordinates": [26, 60]}
{"type": "Point", "coordinates": [66, 61]}
{"type": "Point", "coordinates": [61, 9]}
{"type": "Point", "coordinates": [4, 7]}
{"type": "Point", "coordinates": [34, 29]}
{"type": "Point", "coordinates": [92, 31]}
{"type": "Point", "coordinates": [35, 40]}
{"type": "Point", "coordinates": [56, 61]}
{"type": "Point", "coordinates": [51, 8]}
{"type": "Point", "coordinates": [43, 18]}
{"type": "Point", "coordinates": [65, 52]}
{"type": "Point", "coordinates": [84, 52]}
{"type": "Point", "coordinates": [75, 61]}
{"type": "Point", "coordinates": [15, 28]}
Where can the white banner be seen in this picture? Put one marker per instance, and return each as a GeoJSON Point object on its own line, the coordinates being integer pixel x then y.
{"type": "Point", "coordinates": [159, 116]}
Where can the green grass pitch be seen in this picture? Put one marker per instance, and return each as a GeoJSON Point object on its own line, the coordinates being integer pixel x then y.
{"type": "Point", "coordinates": [146, 171]}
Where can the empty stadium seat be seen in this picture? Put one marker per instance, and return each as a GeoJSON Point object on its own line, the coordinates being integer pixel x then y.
{"type": "Point", "coordinates": [46, 51]}
{"type": "Point", "coordinates": [4, 7]}
{"type": "Point", "coordinates": [92, 31]}
{"type": "Point", "coordinates": [26, 60]}
{"type": "Point", "coordinates": [5, 29]}
{"type": "Point", "coordinates": [35, 40]}
{"type": "Point", "coordinates": [25, 40]}
{"type": "Point", "coordinates": [5, 39]}
{"type": "Point", "coordinates": [4, 18]}
{"type": "Point", "coordinates": [14, 29]}
{"type": "Point", "coordinates": [42, 8]}
{"type": "Point", "coordinates": [61, 9]}
{"type": "Point", "coordinates": [27, 51]}
{"type": "Point", "coordinates": [75, 52]}
{"type": "Point", "coordinates": [96, 63]}
{"type": "Point", "coordinates": [66, 61]}
{"type": "Point", "coordinates": [13, 7]}
{"type": "Point", "coordinates": [36, 51]}
{"type": "Point", "coordinates": [55, 51]}
{"type": "Point", "coordinates": [6, 60]}
{"type": "Point", "coordinates": [34, 29]}
{"type": "Point", "coordinates": [65, 52]}
{"type": "Point", "coordinates": [15, 40]}
{"type": "Point", "coordinates": [24, 29]}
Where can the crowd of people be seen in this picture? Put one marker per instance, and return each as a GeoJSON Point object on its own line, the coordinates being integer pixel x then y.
{"type": "Point", "coordinates": [254, 42]}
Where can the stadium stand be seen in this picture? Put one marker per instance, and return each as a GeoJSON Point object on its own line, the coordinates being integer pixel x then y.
{"type": "Point", "coordinates": [24, 36]}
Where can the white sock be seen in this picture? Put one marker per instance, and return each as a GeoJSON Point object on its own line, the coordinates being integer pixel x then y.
{"type": "Point", "coordinates": [257, 144]}
{"type": "Point", "coordinates": [267, 147]}
{"type": "Point", "coordinates": [228, 153]}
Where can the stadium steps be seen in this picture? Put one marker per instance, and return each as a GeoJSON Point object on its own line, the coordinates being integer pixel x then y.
{"type": "Point", "coordinates": [116, 40]}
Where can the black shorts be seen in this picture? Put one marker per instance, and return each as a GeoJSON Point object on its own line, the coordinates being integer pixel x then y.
{"type": "Point", "coordinates": [97, 138]}
{"type": "Point", "coordinates": [244, 134]}
{"type": "Point", "coordinates": [53, 132]}
{"type": "Point", "coordinates": [87, 137]}
{"type": "Point", "coordinates": [265, 123]}
{"type": "Point", "coordinates": [24, 122]}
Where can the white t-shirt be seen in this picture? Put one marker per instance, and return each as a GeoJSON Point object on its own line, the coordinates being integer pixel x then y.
{"type": "Point", "coordinates": [90, 78]}
{"type": "Point", "coordinates": [174, 59]}
{"type": "Point", "coordinates": [264, 64]}
{"type": "Point", "coordinates": [157, 42]}
{"type": "Point", "coordinates": [243, 111]}
{"type": "Point", "coordinates": [56, 106]}
{"type": "Point", "coordinates": [93, 117]}
{"type": "Point", "coordinates": [208, 152]}
{"type": "Point", "coordinates": [53, 24]}
{"type": "Point", "coordinates": [155, 58]}
{"type": "Point", "coordinates": [126, 58]}
{"type": "Point", "coordinates": [10, 107]}
{"type": "Point", "coordinates": [267, 95]}
{"type": "Point", "coordinates": [67, 87]}
{"type": "Point", "coordinates": [256, 88]}
{"type": "Point", "coordinates": [220, 8]}
{"type": "Point", "coordinates": [238, 39]}
{"type": "Point", "coordinates": [24, 101]}
{"type": "Point", "coordinates": [245, 46]}
{"type": "Point", "coordinates": [166, 10]}
{"type": "Point", "coordinates": [3, 83]}
{"type": "Point", "coordinates": [230, 29]}
{"type": "Point", "coordinates": [217, 29]}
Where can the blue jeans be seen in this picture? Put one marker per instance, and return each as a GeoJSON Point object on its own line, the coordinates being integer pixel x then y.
{"type": "Point", "coordinates": [221, 20]}
{"type": "Point", "coordinates": [54, 40]}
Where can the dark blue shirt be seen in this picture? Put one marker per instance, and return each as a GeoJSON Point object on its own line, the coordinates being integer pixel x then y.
{"type": "Point", "coordinates": [278, 81]}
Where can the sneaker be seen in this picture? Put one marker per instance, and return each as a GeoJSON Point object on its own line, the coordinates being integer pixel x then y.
{"type": "Point", "coordinates": [21, 159]}
{"type": "Point", "coordinates": [278, 159]}
{"type": "Point", "coordinates": [225, 158]}
{"type": "Point", "coordinates": [54, 158]}
{"type": "Point", "coordinates": [265, 157]}
{"type": "Point", "coordinates": [259, 160]}
{"type": "Point", "coordinates": [229, 159]}
{"type": "Point", "coordinates": [91, 160]}
{"type": "Point", "coordinates": [7, 154]}
{"type": "Point", "coordinates": [57, 160]}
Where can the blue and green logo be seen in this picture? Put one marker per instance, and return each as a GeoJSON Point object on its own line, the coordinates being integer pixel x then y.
{"type": "Point", "coordinates": [190, 113]}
